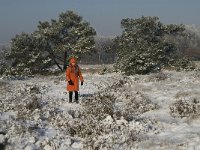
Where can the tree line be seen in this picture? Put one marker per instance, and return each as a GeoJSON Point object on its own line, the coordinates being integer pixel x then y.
{"type": "Point", "coordinates": [145, 45]}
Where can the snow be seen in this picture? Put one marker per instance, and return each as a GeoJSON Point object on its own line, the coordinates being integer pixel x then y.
{"type": "Point", "coordinates": [147, 98]}
{"type": "Point", "coordinates": [7, 115]}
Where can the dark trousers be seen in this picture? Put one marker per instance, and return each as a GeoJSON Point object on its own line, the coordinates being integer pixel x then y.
{"type": "Point", "coordinates": [71, 94]}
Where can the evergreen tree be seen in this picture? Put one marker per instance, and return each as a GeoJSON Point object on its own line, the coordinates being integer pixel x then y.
{"type": "Point", "coordinates": [47, 45]}
{"type": "Point", "coordinates": [144, 46]}
{"type": "Point", "coordinates": [3, 62]}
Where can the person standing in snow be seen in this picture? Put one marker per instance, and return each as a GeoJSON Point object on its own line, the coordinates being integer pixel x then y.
{"type": "Point", "coordinates": [73, 74]}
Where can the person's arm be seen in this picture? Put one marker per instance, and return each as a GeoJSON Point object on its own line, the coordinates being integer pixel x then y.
{"type": "Point", "coordinates": [80, 75]}
{"type": "Point", "coordinates": [70, 82]}
{"type": "Point", "coordinates": [68, 74]}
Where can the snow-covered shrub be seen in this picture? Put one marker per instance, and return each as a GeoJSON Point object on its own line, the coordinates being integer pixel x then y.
{"type": "Point", "coordinates": [185, 108]}
{"type": "Point", "coordinates": [182, 94]}
{"type": "Point", "coordinates": [122, 138]}
{"type": "Point", "coordinates": [103, 70]}
{"type": "Point", "coordinates": [75, 113]}
{"type": "Point", "coordinates": [17, 73]}
{"type": "Point", "coordinates": [34, 104]}
{"type": "Point", "coordinates": [85, 127]}
{"type": "Point", "coordinates": [160, 76]}
{"type": "Point", "coordinates": [106, 69]}
{"type": "Point", "coordinates": [100, 105]}
{"type": "Point", "coordinates": [137, 105]}
{"type": "Point", "coordinates": [118, 134]}
{"type": "Point", "coordinates": [24, 100]}
{"type": "Point", "coordinates": [117, 85]}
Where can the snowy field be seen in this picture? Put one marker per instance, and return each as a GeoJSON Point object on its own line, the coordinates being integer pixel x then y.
{"type": "Point", "coordinates": [116, 112]}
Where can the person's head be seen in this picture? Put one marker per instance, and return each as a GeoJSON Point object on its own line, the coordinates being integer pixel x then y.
{"type": "Point", "coordinates": [73, 61]}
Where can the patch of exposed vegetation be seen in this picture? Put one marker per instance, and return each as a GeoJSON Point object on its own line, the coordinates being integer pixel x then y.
{"type": "Point", "coordinates": [185, 108]}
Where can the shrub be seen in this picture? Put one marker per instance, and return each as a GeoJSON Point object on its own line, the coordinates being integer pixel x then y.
{"type": "Point", "coordinates": [100, 105]}
{"type": "Point", "coordinates": [137, 105]}
{"type": "Point", "coordinates": [158, 77]}
{"type": "Point", "coordinates": [185, 108]}
{"type": "Point", "coordinates": [34, 104]}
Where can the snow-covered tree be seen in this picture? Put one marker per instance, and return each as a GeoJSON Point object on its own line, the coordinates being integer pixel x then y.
{"type": "Point", "coordinates": [3, 62]}
{"type": "Point", "coordinates": [27, 53]}
{"type": "Point", "coordinates": [144, 46]}
{"type": "Point", "coordinates": [69, 34]}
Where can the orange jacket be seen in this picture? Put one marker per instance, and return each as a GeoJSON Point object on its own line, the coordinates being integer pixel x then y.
{"type": "Point", "coordinates": [73, 73]}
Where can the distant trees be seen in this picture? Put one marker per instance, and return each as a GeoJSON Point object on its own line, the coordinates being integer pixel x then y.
{"type": "Point", "coordinates": [193, 42]}
{"type": "Point", "coordinates": [146, 45]}
{"type": "Point", "coordinates": [52, 43]}
{"type": "Point", "coordinates": [104, 52]}
{"type": "Point", "coordinates": [104, 48]}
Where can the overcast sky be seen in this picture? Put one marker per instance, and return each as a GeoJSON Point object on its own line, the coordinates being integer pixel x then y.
{"type": "Point", "coordinates": [18, 16]}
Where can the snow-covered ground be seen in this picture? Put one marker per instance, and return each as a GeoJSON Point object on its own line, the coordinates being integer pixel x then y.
{"type": "Point", "coordinates": [156, 111]}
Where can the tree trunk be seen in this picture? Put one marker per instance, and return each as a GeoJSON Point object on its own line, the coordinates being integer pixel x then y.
{"type": "Point", "coordinates": [53, 57]}
{"type": "Point", "coordinates": [65, 58]}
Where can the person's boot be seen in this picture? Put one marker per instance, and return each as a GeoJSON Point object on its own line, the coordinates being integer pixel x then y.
{"type": "Point", "coordinates": [76, 96]}
{"type": "Point", "coordinates": [70, 97]}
